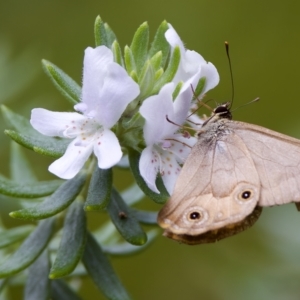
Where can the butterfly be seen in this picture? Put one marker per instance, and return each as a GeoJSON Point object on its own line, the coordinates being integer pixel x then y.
{"type": "Point", "coordinates": [232, 172]}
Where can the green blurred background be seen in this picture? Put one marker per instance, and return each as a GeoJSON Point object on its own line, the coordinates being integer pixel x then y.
{"type": "Point", "coordinates": [264, 35]}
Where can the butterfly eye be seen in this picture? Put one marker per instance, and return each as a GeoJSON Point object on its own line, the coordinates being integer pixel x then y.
{"type": "Point", "coordinates": [245, 195]}
{"type": "Point", "coordinates": [195, 215]}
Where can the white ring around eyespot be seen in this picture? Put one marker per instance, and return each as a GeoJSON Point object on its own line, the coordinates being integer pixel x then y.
{"type": "Point", "coordinates": [186, 220]}
{"type": "Point", "coordinates": [244, 187]}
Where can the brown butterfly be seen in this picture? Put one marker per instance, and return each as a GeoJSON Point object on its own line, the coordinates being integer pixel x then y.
{"type": "Point", "coordinates": [233, 171]}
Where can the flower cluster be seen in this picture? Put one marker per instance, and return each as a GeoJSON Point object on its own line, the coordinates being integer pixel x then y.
{"type": "Point", "coordinates": [108, 87]}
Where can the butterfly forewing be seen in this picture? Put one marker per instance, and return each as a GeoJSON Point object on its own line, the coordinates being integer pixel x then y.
{"type": "Point", "coordinates": [277, 160]}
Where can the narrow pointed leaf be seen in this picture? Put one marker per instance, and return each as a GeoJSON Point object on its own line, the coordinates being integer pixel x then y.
{"type": "Point", "coordinates": [31, 248]}
{"type": "Point", "coordinates": [100, 32]}
{"type": "Point", "coordinates": [3, 283]}
{"type": "Point", "coordinates": [129, 62]}
{"type": "Point", "coordinates": [139, 45]}
{"type": "Point", "coordinates": [60, 290]}
{"type": "Point", "coordinates": [72, 242]}
{"type": "Point", "coordinates": [128, 249]}
{"type": "Point", "coordinates": [28, 190]}
{"type": "Point", "coordinates": [111, 37]}
{"type": "Point", "coordinates": [20, 169]}
{"type": "Point", "coordinates": [116, 49]}
{"type": "Point", "coordinates": [24, 134]}
{"type": "Point", "coordinates": [50, 146]}
{"type": "Point", "coordinates": [101, 271]}
{"type": "Point", "coordinates": [63, 82]}
{"type": "Point", "coordinates": [124, 220]}
{"type": "Point", "coordinates": [177, 89]}
{"type": "Point", "coordinates": [146, 217]}
{"type": "Point", "coordinates": [38, 284]}
{"type": "Point", "coordinates": [161, 198]}
{"type": "Point", "coordinates": [200, 86]}
{"type": "Point", "coordinates": [99, 190]}
{"type": "Point", "coordinates": [10, 236]}
{"type": "Point", "coordinates": [160, 43]}
{"type": "Point", "coordinates": [156, 60]}
{"type": "Point", "coordinates": [159, 73]}
{"type": "Point", "coordinates": [55, 203]}
{"type": "Point", "coordinates": [17, 121]}
{"type": "Point", "coordinates": [170, 72]}
{"type": "Point", "coordinates": [146, 80]}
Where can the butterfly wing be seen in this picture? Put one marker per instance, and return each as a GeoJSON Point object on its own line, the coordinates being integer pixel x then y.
{"type": "Point", "coordinates": [277, 160]}
{"type": "Point", "coordinates": [217, 186]}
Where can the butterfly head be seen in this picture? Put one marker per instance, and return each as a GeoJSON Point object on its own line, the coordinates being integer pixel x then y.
{"type": "Point", "coordinates": [223, 111]}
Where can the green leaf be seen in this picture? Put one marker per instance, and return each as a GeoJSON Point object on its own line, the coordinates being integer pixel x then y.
{"type": "Point", "coordinates": [30, 138]}
{"type": "Point", "coordinates": [170, 72]}
{"type": "Point", "coordinates": [3, 283]}
{"type": "Point", "coordinates": [159, 73]}
{"type": "Point", "coordinates": [31, 248]}
{"type": "Point", "coordinates": [60, 291]}
{"type": "Point", "coordinates": [129, 62]}
{"type": "Point", "coordinates": [99, 190]}
{"type": "Point", "coordinates": [121, 249]}
{"type": "Point", "coordinates": [200, 86]}
{"type": "Point", "coordinates": [55, 203]}
{"type": "Point", "coordinates": [100, 32]}
{"type": "Point", "coordinates": [110, 35]}
{"type": "Point", "coordinates": [156, 60]}
{"type": "Point", "coordinates": [160, 43]}
{"type": "Point", "coordinates": [123, 219]}
{"type": "Point", "coordinates": [63, 82]}
{"type": "Point", "coordinates": [10, 236]}
{"type": "Point", "coordinates": [20, 168]}
{"type": "Point", "coordinates": [72, 242]}
{"type": "Point", "coordinates": [28, 190]}
{"type": "Point", "coordinates": [177, 89]}
{"type": "Point", "coordinates": [17, 121]}
{"type": "Point", "coordinates": [161, 198]}
{"type": "Point", "coordinates": [139, 45]}
{"type": "Point", "coordinates": [116, 49]}
{"type": "Point", "coordinates": [50, 146]}
{"type": "Point", "coordinates": [146, 217]}
{"type": "Point", "coordinates": [146, 80]}
{"type": "Point", "coordinates": [37, 284]}
{"type": "Point", "coordinates": [101, 271]}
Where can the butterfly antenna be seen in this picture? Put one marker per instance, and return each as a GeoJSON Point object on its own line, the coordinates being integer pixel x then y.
{"type": "Point", "coordinates": [252, 101]}
{"type": "Point", "coordinates": [231, 74]}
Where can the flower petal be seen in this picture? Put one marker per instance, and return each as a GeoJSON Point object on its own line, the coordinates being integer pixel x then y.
{"type": "Point", "coordinates": [117, 91]}
{"type": "Point", "coordinates": [107, 149]}
{"type": "Point", "coordinates": [95, 66]}
{"type": "Point", "coordinates": [155, 109]}
{"type": "Point", "coordinates": [209, 71]}
{"type": "Point", "coordinates": [183, 101]}
{"type": "Point", "coordinates": [170, 170]}
{"type": "Point", "coordinates": [173, 39]}
{"type": "Point", "coordinates": [181, 146]}
{"type": "Point", "coordinates": [52, 123]}
{"type": "Point", "coordinates": [191, 62]}
{"type": "Point", "coordinates": [149, 166]}
{"type": "Point", "coordinates": [72, 161]}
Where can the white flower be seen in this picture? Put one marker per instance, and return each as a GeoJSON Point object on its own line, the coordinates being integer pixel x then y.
{"type": "Point", "coordinates": [191, 62]}
{"type": "Point", "coordinates": [107, 89]}
{"type": "Point", "coordinates": [166, 148]}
